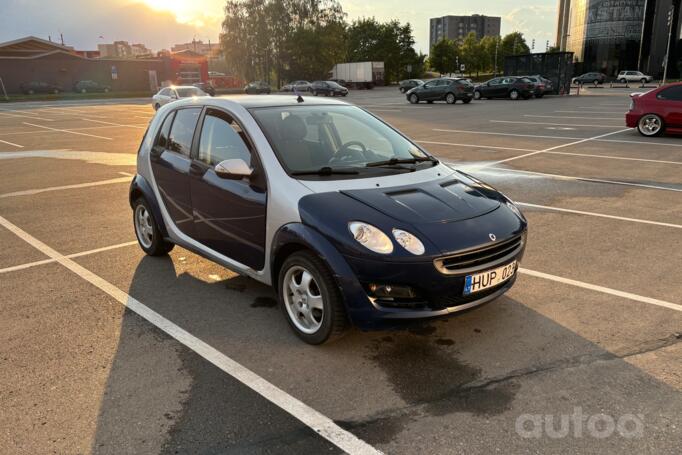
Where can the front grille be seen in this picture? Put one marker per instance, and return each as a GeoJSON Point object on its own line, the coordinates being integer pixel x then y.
{"type": "Point", "coordinates": [480, 258]}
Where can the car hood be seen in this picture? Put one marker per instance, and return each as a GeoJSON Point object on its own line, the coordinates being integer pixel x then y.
{"type": "Point", "coordinates": [434, 202]}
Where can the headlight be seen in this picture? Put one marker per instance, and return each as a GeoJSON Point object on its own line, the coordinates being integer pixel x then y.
{"type": "Point", "coordinates": [409, 242]}
{"type": "Point", "coordinates": [371, 237]}
{"type": "Point", "coordinates": [515, 209]}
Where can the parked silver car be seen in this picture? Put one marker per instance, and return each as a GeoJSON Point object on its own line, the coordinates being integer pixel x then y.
{"type": "Point", "coordinates": [172, 93]}
{"type": "Point", "coordinates": [633, 76]}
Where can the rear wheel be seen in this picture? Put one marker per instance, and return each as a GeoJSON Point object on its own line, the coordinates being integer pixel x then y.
{"type": "Point", "coordinates": [623, 81]}
{"type": "Point", "coordinates": [147, 230]}
{"type": "Point", "coordinates": [310, 299]}
{"type": "Point", "coordinates": [643, 81]}
{"type": "Point", "coordinates": [514, 94]}
{"type": "Point", "coordinates": [450, 98]}
{"type": "Point", "coordinates": [650, 125]}
{"type": "Point", "coordinates": [414, 99]}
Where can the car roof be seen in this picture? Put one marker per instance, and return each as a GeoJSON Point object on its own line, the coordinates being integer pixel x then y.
{"type": "Point", "coordinates": [259, 101]}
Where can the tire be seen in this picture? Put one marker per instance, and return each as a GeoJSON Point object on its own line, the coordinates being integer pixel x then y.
{"type": "Point", "coordinates": [595, 83]}
{"type": "Point", "coordinates": [147, 230]}
{"type": "Point", "coordinates": [315, 311]}
{"type": "Point", "coordinates": [466, 100]}
{"type": "Point", "coordinates": [83, 90]}
{"type": "Point", "coordinates": [650, 125]}
{"type": "Point", "coordinates": [514, 94]}
{"type": "Point", "coordinates": [477, 95]}
{"type": "Point", "coordinates": [314, 92]}
{"type": "Point", "coordinates": [106, 90]}
{"type": "Point", "coordinates": [157, 106]}
{"type": "Point", "coordinates": [414, 99]}
{"type": "Point", "coordinates": [643, 81]}
{"type": "Point", "coordinates": [450, 98]}
{"type": "Point", "coordinates": [623, 81]}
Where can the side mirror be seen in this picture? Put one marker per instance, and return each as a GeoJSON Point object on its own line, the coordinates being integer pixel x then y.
{"type": "Point", "coordinates": [234, 169]}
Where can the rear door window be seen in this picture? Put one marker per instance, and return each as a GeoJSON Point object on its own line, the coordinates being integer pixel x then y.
{"type": "Point", "coordinates": [182, 131]}
{"type": "Point", "coordinates": [162, 139]}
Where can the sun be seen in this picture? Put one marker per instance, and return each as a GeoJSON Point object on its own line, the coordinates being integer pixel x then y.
{"type": "Point", "coordinates": [185, 12]}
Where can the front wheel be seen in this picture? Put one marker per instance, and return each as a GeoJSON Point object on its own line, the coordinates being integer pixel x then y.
{"type": "Point", "coordinates": [402, 89]}
{"type": "Point", "coordinates": [643, 81]}
{"type": "Point", "coordinates": [414, 99]}
{"type": "Point", "coordinates": [310, 299]}
{"type": "Point", "coordinates": [477, 95]}
{"type": "Point", "coordinates": [147, 230]}
{"type": "Point", "coordinates": [450, 98]}
{"type": "Point", "coordinates": [650, 125]}
{"type": "Point", "coordinates": [157, 106]}
{"type": "Point", "coordinates": [623, 81]}
{"type": "Point", "coordinates": [514, 94]}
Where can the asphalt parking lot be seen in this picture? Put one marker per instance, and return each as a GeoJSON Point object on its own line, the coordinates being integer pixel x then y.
{"type": "Point", "coordinates": [104, 350]}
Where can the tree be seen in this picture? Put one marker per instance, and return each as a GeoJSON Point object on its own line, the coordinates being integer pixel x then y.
{"type": "Point", "coordinates": [472, 53]}
{"type": "Point", "coordinates": [513, 44]}
{"type": "Point", "coordinates": [443, 56]}
{"type": "Point", "coordinates": [489, 48]}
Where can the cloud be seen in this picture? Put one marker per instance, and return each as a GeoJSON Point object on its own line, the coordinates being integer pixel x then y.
{"type": "Point", "coordinates": [532, 21]}
{"type": "Point", "coordinates": [83, 21]}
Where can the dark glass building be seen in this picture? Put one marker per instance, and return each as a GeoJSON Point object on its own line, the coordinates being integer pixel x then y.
{"type": "Point", "coordinates": [616, 35]}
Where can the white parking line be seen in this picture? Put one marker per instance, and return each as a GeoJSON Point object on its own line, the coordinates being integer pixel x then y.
{"type": "Point", "coordinates": [321, 424]}
{"type": "Point", "coordinates": [478, 146]}
{"type": "Point", "coordinates": [33, 117]}
{"type": "Point", "coordinates": [585, 179]}
{"type": "Point", "coordinates": [602, 289]}
{"type": "Point", "coordinates": [12, 144]}
{"type": "Point", "coordinates": [553, 124]}
{"type": "Point", "coordinates": [114, 124]}
{"type": "Point", "coordinates": [591, 112]}
{"type": "Point", "coordinates": [615, 141]}
{"type": "Point", "coordinates": [589, 155]}
{"type": "Point", "coordinates": [66, 187]}
{"type": "Point", "coordinates": [600, 215]}
{"type": "Point", "coordinates": [67, 131]}
{"type": "Point", "coordinates": [71, 256]}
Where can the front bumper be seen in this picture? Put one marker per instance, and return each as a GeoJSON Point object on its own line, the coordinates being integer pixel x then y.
{"type": "Point", "coordinates": [437, 294]}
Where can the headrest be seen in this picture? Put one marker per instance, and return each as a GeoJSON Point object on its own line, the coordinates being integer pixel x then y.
{"type": "Point", "coordinates": [293, 128]}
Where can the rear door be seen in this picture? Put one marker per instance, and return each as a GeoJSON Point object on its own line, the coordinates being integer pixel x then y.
{"type": "Point", "coordinates": [229, 214]}
{"type": "Point", "coordinates": [170, 161]}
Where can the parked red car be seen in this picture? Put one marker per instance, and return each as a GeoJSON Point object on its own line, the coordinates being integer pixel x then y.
{"type": "Point", "coordinates": [656, 111]}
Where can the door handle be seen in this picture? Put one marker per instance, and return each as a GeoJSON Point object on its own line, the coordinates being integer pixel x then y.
{"type": "Point", "coordinates": [156, 152]}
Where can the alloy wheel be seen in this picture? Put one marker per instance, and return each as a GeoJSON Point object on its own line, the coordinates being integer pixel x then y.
{"type": "Point", "coordinates": [514, 94]}
{"type": "Point", "coordinates": [303, 299]}
{"type": "Point", "coordinates": [650, 125]}
{"type": "Point", "coordinates": [143, 226]}
{"type": "Point", "coordinates": [450, 98]}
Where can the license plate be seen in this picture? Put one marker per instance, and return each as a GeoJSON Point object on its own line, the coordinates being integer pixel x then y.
{"type": "Point", "coordinates": [489, 278]}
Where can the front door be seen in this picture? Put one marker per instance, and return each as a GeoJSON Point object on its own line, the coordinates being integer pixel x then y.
{"type": "Point", "coordinates": [671, 101]}
{"type": "Point", "coordinates": [429, 90]}
{"type": "Point", "coordinates": [229, 214]}
{"type": "Point", "coordinates": [170, 160]}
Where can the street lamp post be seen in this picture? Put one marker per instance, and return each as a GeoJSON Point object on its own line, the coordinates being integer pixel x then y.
{"type": "Point", "coordinates": [497, 46]}
{"type": "Point", "coordinates": [671, 14]}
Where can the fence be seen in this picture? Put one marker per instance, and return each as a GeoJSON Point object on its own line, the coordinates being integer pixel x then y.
{"type": "Point", "coordinates": [555, 66]}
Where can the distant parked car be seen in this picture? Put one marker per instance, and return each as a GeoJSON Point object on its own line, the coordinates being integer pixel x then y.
{"type": "Point", "coordinates": [443, 89]}
{"type": "Point", "coordinates": [542, 85]}
{"type": "Point", "coordinates": [257, 88]}
{"type": "Point", "coordinates": [590, 78]}
{"type": "Point", "coordinates": [328, 88]}
{"type": "Point", "coordinates": [513, 87]}
{"type": "Point", "coordinates": [408, 84]}
{"type": "Point", "coordinates": [205, 87]}
{"type": "Point", "coordinates": [297, 86]}
{"type": "Point", "coordinates": [90, 87]}
{"type": "Point", "coordinates": [39, 87]}
{"type": "Point", "coordinates": [633, 76]}
{"type": "Point", "coordinates": [656, 111]}
{"type": "Point", "coordinates": [168, 94]}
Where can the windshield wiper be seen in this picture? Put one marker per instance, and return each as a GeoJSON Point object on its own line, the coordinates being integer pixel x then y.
{"type": "Point", "coordinates": [395, 161]}
{"type": "Point", "coordinates": [326, 170]}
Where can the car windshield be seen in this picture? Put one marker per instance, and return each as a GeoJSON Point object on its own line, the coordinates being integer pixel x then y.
{"type": "Point", "coordinates": [333, 84]}
{"type": "Point", "coordinates": [189, 91]}
{"type": "Point", "coordinates": [331, 139]}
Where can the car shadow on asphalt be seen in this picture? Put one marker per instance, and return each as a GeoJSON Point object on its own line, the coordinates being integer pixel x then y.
{"type": "Point", "coordinates": [479, 370]}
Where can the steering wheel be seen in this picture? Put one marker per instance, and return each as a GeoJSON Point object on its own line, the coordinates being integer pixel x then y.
{"type": "Point", "coordinates": [346, 154]}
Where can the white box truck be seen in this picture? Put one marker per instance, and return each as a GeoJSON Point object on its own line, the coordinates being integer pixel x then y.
{"type": "Point", "coordinates": [359, 74]}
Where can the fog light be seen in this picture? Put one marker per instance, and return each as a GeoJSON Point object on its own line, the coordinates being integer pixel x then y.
{"type": "Point", "coordinates": [392, 291]}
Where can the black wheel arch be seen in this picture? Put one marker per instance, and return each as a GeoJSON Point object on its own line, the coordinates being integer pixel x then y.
{"type": "Point", "coordinates": [139, 187]}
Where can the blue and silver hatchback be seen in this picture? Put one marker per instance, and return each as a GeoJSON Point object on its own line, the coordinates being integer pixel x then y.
{"type": "Point", "coordinates": [351, 221]}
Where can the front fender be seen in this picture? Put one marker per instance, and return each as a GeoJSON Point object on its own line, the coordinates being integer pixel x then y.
{"type": "Point", "coordinates": [358, 306]}
{"type": "Point", "coordinates": [140, 187]}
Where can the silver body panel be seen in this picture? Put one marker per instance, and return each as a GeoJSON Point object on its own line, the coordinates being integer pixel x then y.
{"type": "Point", "coordinates": [283, 191]}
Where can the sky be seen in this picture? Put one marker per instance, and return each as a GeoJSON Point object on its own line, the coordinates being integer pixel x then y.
{"type": "Point", "coordinates": [161, 23]}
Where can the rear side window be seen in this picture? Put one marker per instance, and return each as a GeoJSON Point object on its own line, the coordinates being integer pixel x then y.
{"type": "Point", "coordinates": [671, 93]}
{"type": "Point", "coordinates": [222, 139]}
{"type": "Point", "coordinates": [182, 131]}
{"type": "Point", "coordinates": [162, 139]}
